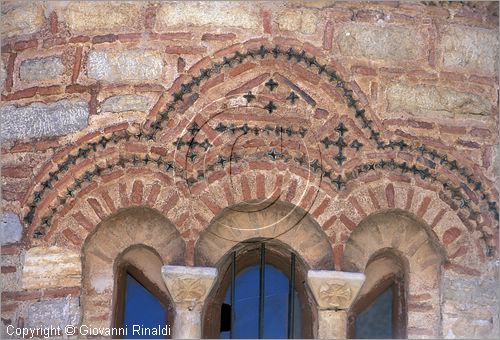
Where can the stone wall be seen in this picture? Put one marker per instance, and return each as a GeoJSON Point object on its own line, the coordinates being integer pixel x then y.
{"type": "Point", "coordinates": [96, 95]}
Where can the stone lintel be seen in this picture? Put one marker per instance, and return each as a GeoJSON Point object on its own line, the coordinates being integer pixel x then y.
{"type": "Point", "coordinates": [334, 290]}
{"type": "Point", "coordinates": [189, 286]}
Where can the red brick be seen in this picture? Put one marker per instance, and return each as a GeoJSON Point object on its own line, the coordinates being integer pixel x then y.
{"type": "Point", "coordinates": [218, 37]}
{"type": "Point", "coordinates": [79, 39]}
{"type": "Point", "coordinates": [81, 219]}
{"type": "Point", "coordinates": [260, 182]}
{"type": "Point", "coordinates": [26, 93]}
{"type": "Point", "coordinates": [338, 254]}
{"type": "Point", "coordinates": [137, 192]}
{"type": "Point", "coordinates": [389, 194]}
{"type": "Point", "coordinates": [228, 192]}
{"type": "Point", "coordinates": [215, 176]}
{"type": "Point", "coordinates": [363, 70]}
{"type": "Point", "coordinates": [409, 198]}
{"type": "Point", "coordinates": [214, 208]}
{"type": "Point", "coordinates": [136, 148]}
{"type": "Point", "coordinates": [328, 36]}
{"type": "Point", "coordinates": [480, 132]}
{"type": "Point", "coordinates": [267, 22]}
{"type": "Point", "coordinates": [290, 195]}
{"type": "Point", "coordinates": [72, 237]}
{"type": "Point", "coordinates": [249, 85]}
{"type": "Point", "coordinates": [76, 65]}
{"type": "Point", "coordinates": [53, 293]}
{"type": "Point", "coordinates": [424, 206]}
{"type": "Point", "coordinates": [468, 144]}
{"type": "Point", "coordinates": [374, 199]}
{"type": "Point", "coordinates": [23, 45]}
{"type": "Point", "coordinates": [185, 50]}
{"type": "Point", "coordinates": [153, 194]}
{"type": "Point", "coordinates": [459, 269]}
{"type": "Point", "coordinates": [99, 39]}
{"type": "Point", "coordinates": [8, 269]}
{"type": "Point", "coordinates": [105, 178]}
{"type": "Point", "coordinates": [108, 200]}
{"type": "Point", "coordinates": [357, 206]}
{"type": "Point", "coordinates": [212, 83]}
{"type": "Point", "coordinates": [321, 208]}
{"type": "Point", "coordinates": [10, 72]}
{"type": "Point", "coordinates": [171, 202]}
{"type": "Point", "coordinates": [451, 235]}
{"type": "Point", "coordinates": [245, 188]}
{"type": "Point", "coordinates": [22, 296]}
{"type": "Point", "coordinates": [10, 249]}
{"type": "Point", "coordinates": [97, 207]}
{"type": "Point", "coordinates": [16, 171]}
{"type": "Point", "coordinates": [347, 222]}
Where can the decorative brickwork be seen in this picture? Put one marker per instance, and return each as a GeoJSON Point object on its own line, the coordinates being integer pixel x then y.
{"type": "Point", "coordinates": [342, 119]}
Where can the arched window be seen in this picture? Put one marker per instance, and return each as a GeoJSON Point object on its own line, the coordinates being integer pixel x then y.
{"type": "Point", "coordinates": [261, 295]}
{"type": "Point", "coordinates": [379, 312]}
{"type": "Point", "coordinates": [141, 297]}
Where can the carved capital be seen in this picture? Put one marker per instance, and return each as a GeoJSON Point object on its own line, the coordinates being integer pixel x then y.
{"type": "Point", "coordinates": [189, 285]}
{"type": "Point", "coordinates": [334, 290]}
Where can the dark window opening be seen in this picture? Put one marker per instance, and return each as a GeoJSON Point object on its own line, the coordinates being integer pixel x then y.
{"type": "Point", "coordinates": [141, 303]}
{"type": "Point", "coordinates": [254, 300]}
{"type": "Point", "coordinates": [376, 321]}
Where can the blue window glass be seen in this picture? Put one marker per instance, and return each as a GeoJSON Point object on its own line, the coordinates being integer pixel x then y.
{"type": "Point", "coordinates": [142, 308]}
{"type": "Point", "coordinates": [275, 307]}
{"type": "Point", "coordinates": [376, 321]}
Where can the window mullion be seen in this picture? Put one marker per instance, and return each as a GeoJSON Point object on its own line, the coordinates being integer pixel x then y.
{"type": "Point", "coordinates": [261, 288]}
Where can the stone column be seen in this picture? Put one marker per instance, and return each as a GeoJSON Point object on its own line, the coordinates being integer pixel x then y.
{"type": "Point", "coordinates": [334, 293]}
{"type": "Point", "coordinates": [188, 287]}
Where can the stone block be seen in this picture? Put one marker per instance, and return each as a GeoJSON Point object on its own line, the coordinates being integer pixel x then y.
{"type": "Point", "coordinates": [51, 267]}
{"type": "Point", "coordinates": [470, 49]}
{"type": "Point", "coordinates": [113, 66]}
{"type": "Point", "coordinates": [303, 21]}
{"type": "Point", "coordinates": [218, 13]}
{"type": "Point", "coordinates": [432, 101]}
{"type": "Point", "coordinates": [391, 43]}
{"type": "Point", "coordinates": [105, 16]}
{"type": "Point", "coordinates": [189, 285]}
{"type": "Point", "coordinates": [41, 69]}
{"type": "Point", "coordinates": [43, 120]}
{"type": "Point", "coordinates": [126, 103]}
{"type": "Point", "coordinates": [56, 313]}
{"type": "Point", "coordinates": [334, 290]}
{"type": "Point", "coordinates": [332, 324]}
{"type": "Point", "coordinates": [20, 19]}
{"type": "Point", "coordinates": [12, 229]}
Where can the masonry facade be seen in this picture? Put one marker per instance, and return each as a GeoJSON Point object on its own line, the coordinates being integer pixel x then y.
{"type": "Point", "coordinates": [142, 130]}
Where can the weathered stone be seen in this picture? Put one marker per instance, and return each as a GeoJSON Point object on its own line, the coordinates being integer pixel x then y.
{"type": "Point", "coordinates": [189, 287]}
{"type": "Point", "coordinates": [126, 103]}
{"type": "Point", "coordinates": [114, 66]}
{"type": "Point", "coordinates": [434, 101]}
{"type": "Point", "coordinates": [51, 267]}
{"type": "Point", "coordinates": [12, 229]}
{"type": "Point", "coordinates": [55, 313]}
{"type": "Point", "coordinates": [465, 292]}
{"type": "Point", "coordinates": [102, 16]}
{"type": "Point", "coordinates": [333, 289]}
{"type": "Point", "coordinates": [25, 18]}
{"type": "Point", "coordinates": [41, 69]}
{"type": "Point", "coordinates": [390, 43]}
{"type": "Point", "coordinates": [470, 49]}
{"type": "Point", "coordinates": [223, 13]}
{"type": "Point", "coordinates": [43, 120]}
{"type": "Point", "coordinates": [303, 21]}
{"type": "Point", "coordinates": [332, 324]}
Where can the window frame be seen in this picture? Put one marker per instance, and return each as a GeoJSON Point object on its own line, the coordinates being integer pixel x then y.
{"type": "Point", "coordinates": [123, 271]}
{"type": "Point", "coordinates": [395, 281]}
{"type": "Point", "coordinates": [248, 256]}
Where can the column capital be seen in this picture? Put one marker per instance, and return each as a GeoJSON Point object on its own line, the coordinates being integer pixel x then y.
{"type": "Point", "coordinates": [189, 286]}
{"type": "Point", "coordinates": [334, 290]}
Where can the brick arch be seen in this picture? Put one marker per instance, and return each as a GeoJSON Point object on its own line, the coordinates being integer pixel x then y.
{"type": "Point", "coordinates": [404, 234]}
{"type": "Point", "coordinates": [271, 220]}
{"type": "Point", "coordinates": [117, 191]}
{"type": "Point", "coordinates": [140, 230]}
{"type": "Point", "coordinates": [178, 106]}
